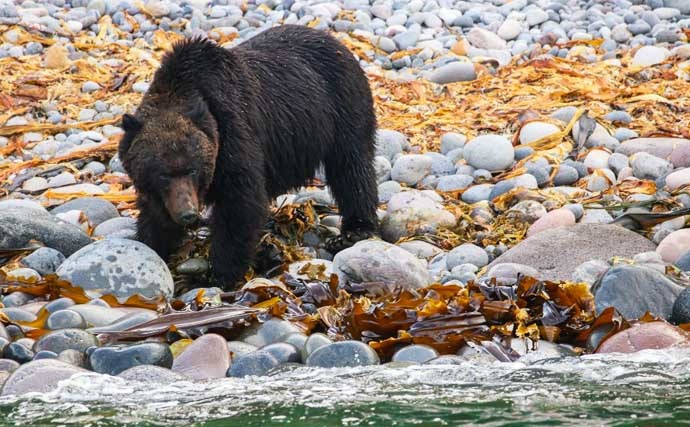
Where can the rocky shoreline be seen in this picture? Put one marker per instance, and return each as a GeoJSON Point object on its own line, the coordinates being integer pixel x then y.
{"type": "Point", "coordinates": [529, 158]}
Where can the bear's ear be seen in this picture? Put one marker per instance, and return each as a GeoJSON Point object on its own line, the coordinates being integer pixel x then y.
{"type": "Point", "coordinates": [130, 124]}
{"type": "Point", "coordinates": [198, 113]}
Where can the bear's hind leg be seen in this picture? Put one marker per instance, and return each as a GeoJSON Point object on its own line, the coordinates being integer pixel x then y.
{"type": "Point", "coordinates": [352, 181]}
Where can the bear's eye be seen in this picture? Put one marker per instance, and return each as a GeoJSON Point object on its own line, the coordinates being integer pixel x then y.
{"type": "Point", "coordinates": [164, 177]}
{"type": "Point", "coordinates": [193, 173]}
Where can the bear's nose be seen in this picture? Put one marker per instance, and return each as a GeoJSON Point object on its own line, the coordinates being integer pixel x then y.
{"type": "Point", "coordinates": [189, 217]}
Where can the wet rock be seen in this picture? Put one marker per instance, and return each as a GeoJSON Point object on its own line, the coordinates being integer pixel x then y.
{"type": "Point", "coordinates": [125, 322]}
{"type": "Point", "coordinates": [65, 319]}
{"type": "Point", "coordinates": [193, 267]}
{"type": "Point", "coordinates": [270, 332]}
{"type": "Point", "coordinates": [377, 261]}
{"type": "Point", "coordinates": [343, 354]}
{"type": "Point", "coordinates": [19, 225]}
{"type": "Point", "coordinates": [39, 376]}
{"type": "Point", "coordinates": [44, 260]}
{"type": "Point", "coordinates": [284, 352]}
{"type": "Point", "coordinates": [119, 267]}
{"type": "Point", "coordinates": [555, 253]}
{"type": "Point", "coordinates": [298, 340]}
{"type": "Point", "coordinates": [683, 262]}
{"type": "Point", "coordinates": [116, 359]}
{"type": "Point", "coordinates": [634, 290]}
{"type": "Point", "coordinates": [18, 353]}
{"type": "Point", "coordinates": [16, 299]}
{"type": "Point", "coordinates": [239, 348]}
{"type": "Point", "coordinates": [415, 353]}
{"type": "Point", "coordinates": [257, 363]}
{"type": "Point", "coordinates": [96, 210]}
{"type": "Point", "coordinates": [58, 304]}
{"type": "Point", "coordinates": [643, 336]}
{"type": "Point", "coordinates": [63, 339]}
{"type": "Point", "coordinates": [533, 351]}
{"type": "Point", "coordinates": [207, 357]}
{"type": "Point", "coordinates": [17, 314]}
{"type": "Point", "coordinates": [447, 360]}
{"type": "Point", "coordinates": [96, 315]}
{"type": "Point", "coordinates": [414, 212]}
{"type": "Point", "coordinates": [674, 245]}
{"type": "Point", "coordinates": [151, 374]}
{"type": "Point", "coordinates": [315, 341]}
{"type": "Point", "coordinates": [681, 308]}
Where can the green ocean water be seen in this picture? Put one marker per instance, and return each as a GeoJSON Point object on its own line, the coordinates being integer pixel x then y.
{"type": "Point", "coordinates": [650, 388]}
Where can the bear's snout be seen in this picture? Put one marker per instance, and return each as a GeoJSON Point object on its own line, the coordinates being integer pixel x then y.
{"type": "Point", "coordinates": [182, 201]}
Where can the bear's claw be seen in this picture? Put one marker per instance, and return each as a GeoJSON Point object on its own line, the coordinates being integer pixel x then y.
{"type": "Point", "coordinates": [346, 240]}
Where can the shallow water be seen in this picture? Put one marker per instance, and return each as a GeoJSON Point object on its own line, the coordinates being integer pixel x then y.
{"type": "Point", "coordinates": [647, 388]}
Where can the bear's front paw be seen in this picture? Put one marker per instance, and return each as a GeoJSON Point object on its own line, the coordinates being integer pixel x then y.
{"type": "Point", "coordinates": [346, 240]}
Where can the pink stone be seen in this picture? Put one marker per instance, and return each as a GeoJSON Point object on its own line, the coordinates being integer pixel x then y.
{"type": "Point", "coordinates": [553, 219]}
{"type": "Point", "coordinates": [674, 245]}
{"type": "Point", "coordinates": [207, 357]}
{"type": "Point", "coordinates": [678, 179]}
{"type": "Point", "coordinates": [644, 336]}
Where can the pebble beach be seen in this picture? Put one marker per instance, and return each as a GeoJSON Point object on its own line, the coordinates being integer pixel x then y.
{"type": "Point", "coordinates": [533, 167]}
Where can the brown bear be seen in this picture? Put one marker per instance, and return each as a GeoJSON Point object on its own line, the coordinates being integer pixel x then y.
{"type": "Point", "coordinates": [234, 128]}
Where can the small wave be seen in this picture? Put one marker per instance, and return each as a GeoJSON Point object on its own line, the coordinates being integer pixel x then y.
{"type": "Point", "coordinates": [613, 388]}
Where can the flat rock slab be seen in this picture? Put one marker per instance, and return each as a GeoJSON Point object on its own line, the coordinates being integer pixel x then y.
{"type": "Point", "coordinates": [675, 150]}
{"type": "Point", "coordinates": [555, 253]}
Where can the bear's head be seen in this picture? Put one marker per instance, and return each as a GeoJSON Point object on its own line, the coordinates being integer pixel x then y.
{"type": "Point", "coordinates": [170, 154]}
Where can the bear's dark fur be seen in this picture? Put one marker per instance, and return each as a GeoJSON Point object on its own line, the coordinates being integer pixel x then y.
{"type": "Point", "coordinates": [236, 127]}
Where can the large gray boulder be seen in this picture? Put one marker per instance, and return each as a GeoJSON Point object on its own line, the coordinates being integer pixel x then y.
{"type": "Point", "coordinates": [120, 267]}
